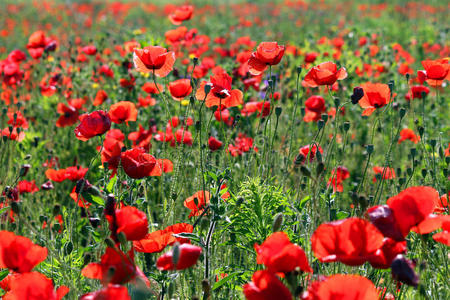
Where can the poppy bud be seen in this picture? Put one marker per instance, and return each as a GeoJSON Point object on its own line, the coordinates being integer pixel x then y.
{"type": "Point", "coordinates": [94, 222]}
{"type": "Point", "coordinates": [402, 269]}
{"type": "Point", "coordinates": [391, 85]}
{"type": "Point", "coordinates": [402, 112]}
{"type": "Point", "coordinates": [320, 168]}
{"type": "Point", "coordinates": [324, 117]}
{"type": "Point", "coordinates": [68, 247]}
{"type": "Point", "coordinates": [320, 124]}
{"type": "Point", "coordinates": [346, 126]}
{"type": "Point", "coordinates": [195, 61]}
{"type": "Point", "coordinates": [277, 222]}
{"type": "Point", "coordinates": [110, 243]}
{"type": "Point", "coordinates": [424, 173]}
{"type": "Point", "coordinates": [337, 102]}
{"type": "Point", "coordinates": [413, 151]}
{"type": "Point", "coordinates": [56, 209]}
{"type": "Point", "coordinates": [433, 143]}
{"type": "Point", "coordinates": [407, 76]}
{"type": "Point", "coordinates": [369, 148]}
{"type": "Point", "coordinates": [47, 186]}
{"type": "Point", "coordinates": [207, 89]}
{"type": "Point", "coordinates": [358, 93]}
{"type": "Point", "coordinates": [299, 159]}
{"type": "Point", "coordinates": [206, 287]}
{"type": "Point", "coordinates": [24, 169]}
{"type": "Point", "coordinates": [305, 171]}
{"type": "Point", "coordinates": [110, 205]}
{"type": "Point", "coordinates": [15, 207]}
{"type": "Point", "coordinates": [278, 111]}
{"type": "Point", "coordinates": [299, 70]}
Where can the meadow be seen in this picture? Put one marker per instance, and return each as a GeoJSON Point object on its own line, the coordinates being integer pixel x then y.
{"type": "Point", "coordinates": [261, 150]}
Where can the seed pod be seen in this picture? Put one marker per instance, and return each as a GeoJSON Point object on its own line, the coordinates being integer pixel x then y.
{"type": "Point", "coordinates": [277, 222]}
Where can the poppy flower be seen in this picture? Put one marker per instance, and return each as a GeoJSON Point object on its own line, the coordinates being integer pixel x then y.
{"type": "Point", "coordinates": [158, 240]}
{"type": "Point", "coordinates": [412, 206]}
{"type": "Point", "coordinates": [132, 222]}
{"type": "Point", "coordinates": [383, 218]}
{"type": "Point", "coordinates": [376, 95]}
{"type": "Point", "coordinates": [100, 97]}
{"type": "Point", "coordinates": [93, 124]}
{"type": "Point", "coordinates": [188, 256]}
{"type": "Point", "coordinates": [324, 74]}
{"type": "Point", "coordinates": [124, 268]}
{"type": "Point", "coordinates": [338, 175]}
{"type": "Point", "coordinates": [278, 254]}
{"type": "Point", "coordinates": [402, 270]}
{"type": "Point", "coordinates": [111, 291]}
{"type": "Point", "coordinates": [385, 173]}
{"type": "Point", "coordinates": [123, 111]}
{"type": "Point", "coordinates": [384, 256]}
{"type": "Point", "coordinates": [154, 59]}
{"type": "Point", "coordinates": [267, 54]}
{"type": "Point", "coordinates": [220, 92]}
{"type": "Point", "coordinates": [180, 14]}
{"type": "Point", "coordinates": [69, 115]}
{"type": "Point", "coordinates": [184, 136]}
{"type": "Point", "coordinates": [214, 144]}
{"type": "Point", "coordinates": [443, 237]}
{"type": "Point", "coordinates": [18, 253]}
{"type": "Point", "coordinates": [416, 92]}
{"type": "Point", "coordinates": [138, 164]}
{"type": "Point", "coordinates": [33, 286]}
{"type": "Point", "coordinates": [141, 138]}
{"type": "Point", "coordinates": [180, 89]}
{"type": "Point", "coordinates": [89, 50]}
{"type": "Point", "coordinates": [342, 287]}
{"type": "Point", "coordinates": [38, 42]}
{"type": "Point", "coordinates": [197, 202]}
{"type": "Point", "coordinates": [352, 241]}
{"type": "Point", "coordinates": [436, 70]}
{"type": "Point", "coordinates": [242, 144]}
{"type": "Point", "coordinates": [25, 186]}
{"type": "Point", "coordinates": [112, 148]}
{"type": "Point", "coordinates": [408, 134]}
{"type": "Point", "coordinates": [152, 88]}
{"type": "Point", "coordinates": [314, 107]}
{"type": "Point", "coordinates": [266, 286]}
{"type": "Point", "coordinates": [305, 151]}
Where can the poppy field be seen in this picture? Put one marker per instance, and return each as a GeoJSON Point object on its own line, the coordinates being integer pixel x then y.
{"type": "Point", "coordinates": [261, 150]}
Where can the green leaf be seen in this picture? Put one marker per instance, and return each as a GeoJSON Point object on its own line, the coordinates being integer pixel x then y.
{"type": "Point", "coordinates": [93, 199]}
{"type": "Point", "coordinates": [342, 215]}
{"type": "Point", "coordinates": [191, 236]}
{"type": "Point", "coordinates": [224, 280]}
{"type": "Point", "coordinates": [111, 183]}
{"type": "Point", "coordinates": [3, 274]}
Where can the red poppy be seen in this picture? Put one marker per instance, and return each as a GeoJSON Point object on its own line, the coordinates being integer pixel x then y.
{"type": "Point", "coordinates": [56, 175]}
{"type": "Point", "coordinates": [89, 50]}
{"type": "Point", "coordinates": [383, 218]}
{"type": "Point", "coordinates": [351, 241]}
{"type": "Point", "coordinates": [376, 95]}
{"type": "Point", "coordinates": [278, 254]}
{"type": "Point", "coordinates": [184, 136]}
{"type": "Point", "coordinates": [112, 149]}
{"type": "Point", "coordinates": [25, 186]}
{"type": "Point", "coordinates": [324, 74]}
{"type": "Point", "coordinates": [443, 237]}
{"type": "Point", "coordinates": [180, 14]}
{"type": "Point", "coordinates": [141, 138]}
{"type": "Point", "coordinates": [197, 202]}
{"type": "Point", "coordinates": [384, 256]}
{"type": "Point", "coordinates": [132, 222]}
{"type": "Point", "coordinates": [342, 287]}
{"type": "Point", "coordinates": [34, 286]}
{"type": "Point", "coordinates": [18, 253]}
{"type": "Point", "coordinates": [154, 59]}
{"type": "Point", "coordinates": [437, 71]}
{"type": "Point", "coordinates": [69, 115]}
{"type": "Point", "coordinates": [112, 291]}
{"type": "Point", "coordinates": [124, 268]}
{"type": "Point", "coordinates": [93, 124]}
{"type": "Point", "coordinates": [100, 97]}
{"type": "Point", "coordinates": [267, 54]}
{"type": "Point", "coordinates": [138, 164]}
{"type": "Point", "coordinates": [412, 206]}
{"type": "Point", "coordinates": [220, 93]}
{"type": "Point", "coordinates": [188, 256]}
{"type": "Point", "coordinates": [152, 88]}
{"type": "Point", "coordinates": [123, 111]}
{"type": "Point", "coordinates": [214, 144]}
{"type": "Point", "coordinates": [314, 107]}
{"type": "Point", "coordinates": [417, 91]}
{"type": "Point", "coordinates": [337, 176]}
{"type": "Point", "coordinates": [304, 151]}
{"type": "Point", "coordinates": [386, 173]}
{"type": "Point", "coordinates": [158, 240]}
{"type": "Point", "coordinates": [266, 286]}
{"type": "Point", "coordinates": [408, 134]}
{"type": "Point", "coordinates": [38, 42]}
{"type": "Point", "coordinates": [166, 165]}
{"type": "Point", "coordinates": [180, 89]}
